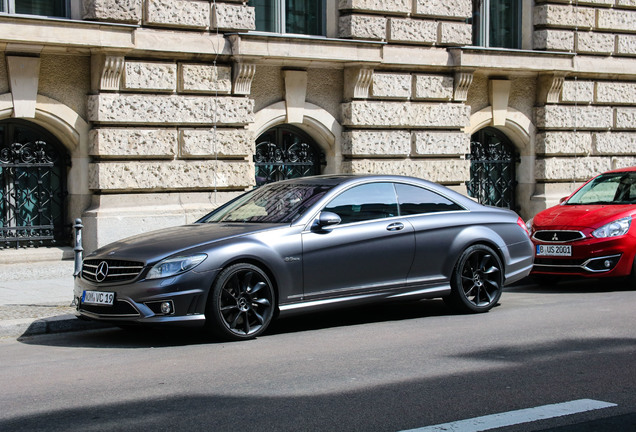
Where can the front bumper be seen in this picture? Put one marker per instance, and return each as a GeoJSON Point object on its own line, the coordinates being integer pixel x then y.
{"type": "Point", "coordinates": [139, 302]}
{"type": "Point", "coordinates": [590, 257]}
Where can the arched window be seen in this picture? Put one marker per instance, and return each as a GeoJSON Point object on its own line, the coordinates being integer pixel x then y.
{"type": "Point", "coordinates": [492, 169]}
{"type": "Point", "coordinates": [285, 152]}
{"type": "Point", "coordinates": [33, 167]}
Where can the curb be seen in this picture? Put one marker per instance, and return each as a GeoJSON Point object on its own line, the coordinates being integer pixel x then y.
{"type": "Point", "coordinates": [19, 328]}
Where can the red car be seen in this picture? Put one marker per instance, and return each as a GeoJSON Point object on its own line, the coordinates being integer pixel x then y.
{"type": "Point", "coordinates": [591, 233]}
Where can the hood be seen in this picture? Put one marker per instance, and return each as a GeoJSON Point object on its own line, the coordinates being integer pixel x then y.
{"type": "Point", "coordinates": [156, 245]}
{"type": "Point", "coordinates": [581, 216]}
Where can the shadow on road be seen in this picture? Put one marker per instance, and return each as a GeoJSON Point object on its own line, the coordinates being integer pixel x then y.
{"type": "Point", "coordinates": [145, 337]}
{"type": "Point", "coordinates": [571, 286]}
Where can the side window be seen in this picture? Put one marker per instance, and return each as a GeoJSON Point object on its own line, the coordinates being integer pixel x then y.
{"type": "Point", "coordinates": [417, 200]}
{"type": "Point", "coordinates": [365, 202]}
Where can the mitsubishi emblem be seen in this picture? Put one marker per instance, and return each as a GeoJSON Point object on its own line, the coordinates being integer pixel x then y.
{"type": "Point", "coordinates": [555, 237]}
{"type": "Point", "coordinates": [102, 271]}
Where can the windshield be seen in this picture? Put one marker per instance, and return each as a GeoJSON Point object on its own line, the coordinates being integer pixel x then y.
{"type": "Point", "coordinates": [273, 203]}
{"type": "Point", "coordinates": [613, 188]}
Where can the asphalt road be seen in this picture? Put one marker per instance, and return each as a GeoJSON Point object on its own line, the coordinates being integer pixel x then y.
{"type": "Point", "coordinates": [389, 368]}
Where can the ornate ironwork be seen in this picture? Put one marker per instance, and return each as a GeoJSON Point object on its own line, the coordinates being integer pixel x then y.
{"type": "Point", "coordinates": [290, 159]}
{"type": "Point", "coordinates": [32, 193]}
{"type": "Point", "coordinates": [492, 170]}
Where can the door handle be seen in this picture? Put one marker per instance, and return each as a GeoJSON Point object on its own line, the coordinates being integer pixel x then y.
{"type": "Point", "coordinates": [397, 226]}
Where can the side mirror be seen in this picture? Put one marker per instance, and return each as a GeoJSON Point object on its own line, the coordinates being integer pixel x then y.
{"type": "Point", "coordinates": [326, 219]}
{"type": "Point", "coordinates": [562, 200]}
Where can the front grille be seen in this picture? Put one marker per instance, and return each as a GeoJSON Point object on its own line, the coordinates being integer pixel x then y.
{"type": "Point", "coordinates": [109, 271]}
{"type": "Point", "coordinates": [120, 308]}
{"type": "Point", "coordinates": [558, 236]}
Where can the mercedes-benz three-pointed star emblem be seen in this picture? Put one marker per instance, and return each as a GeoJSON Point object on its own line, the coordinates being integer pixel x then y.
{"type": "Point", "coordinates": [102, 271]}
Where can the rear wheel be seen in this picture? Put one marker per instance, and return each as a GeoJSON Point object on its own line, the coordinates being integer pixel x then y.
{"type": "Point", "coordinates": [241, 303]}
{"type": "Point", "coordinates": [477, 280]}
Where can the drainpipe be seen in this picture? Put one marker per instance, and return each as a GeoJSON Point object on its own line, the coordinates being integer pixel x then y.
{"type": "Point", "coordinates": [78, 249]}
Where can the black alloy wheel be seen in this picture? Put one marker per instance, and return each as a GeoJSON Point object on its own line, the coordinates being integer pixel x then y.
{"type": "Point", "coordinates": [241, 303]}
{"type": "Point", "coordinates": [477, 280]}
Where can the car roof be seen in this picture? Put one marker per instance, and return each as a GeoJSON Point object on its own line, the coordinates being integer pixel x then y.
{"type": "Point", "coordinates": [626, 169]}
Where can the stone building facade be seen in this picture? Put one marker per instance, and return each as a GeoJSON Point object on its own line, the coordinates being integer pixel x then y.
{"type": "Point", "coordinates": [159, 105]}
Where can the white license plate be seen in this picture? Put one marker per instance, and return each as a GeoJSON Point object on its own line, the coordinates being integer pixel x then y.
{"type": "Point", "coordinates": [554, 250]}
{"type": "Point", "coordinates": [98, 298]}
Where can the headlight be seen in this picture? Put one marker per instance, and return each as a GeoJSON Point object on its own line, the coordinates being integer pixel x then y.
{"type": "Point", "coordinates": [174, 266]}
{"type": "Point", "coordinates": [529, 224]}
{"type": "Point", "coordinates": [613, 229]}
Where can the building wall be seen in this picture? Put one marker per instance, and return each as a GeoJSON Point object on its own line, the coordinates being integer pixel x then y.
{"type": "Point", "coordinates": [162, 100]}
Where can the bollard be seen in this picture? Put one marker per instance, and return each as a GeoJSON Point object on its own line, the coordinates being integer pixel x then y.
{"type": "Point", "coordinates": [78, 249]}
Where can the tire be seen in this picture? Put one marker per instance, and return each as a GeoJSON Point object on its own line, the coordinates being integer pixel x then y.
{"type": "Point", "coordinates": [241, 303]}
{"type": "Point", "coordinates": [477, 280]}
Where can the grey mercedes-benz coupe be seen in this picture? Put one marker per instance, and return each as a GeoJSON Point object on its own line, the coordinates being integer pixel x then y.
{"type": "Point", "coordinates": [309, 244]}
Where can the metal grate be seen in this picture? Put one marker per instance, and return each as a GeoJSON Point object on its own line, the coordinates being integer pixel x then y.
{"type": "Point", "coordinates": [284, 153]}
{"type": "Point", "coordinates": [120, 308]}
{"type": "Point", "coordinates": [109, 271]}
{"type": "Point", "coordinates": [492, 169]}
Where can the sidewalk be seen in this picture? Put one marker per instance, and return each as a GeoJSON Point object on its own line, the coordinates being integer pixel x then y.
{"type": "Point", "coordinates": [35, 298]}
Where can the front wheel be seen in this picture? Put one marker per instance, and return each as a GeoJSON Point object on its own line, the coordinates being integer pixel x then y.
{"type": "Point", "coordinates": [477, 280]}
{"type": "Point", "coordinates": [241, 303]}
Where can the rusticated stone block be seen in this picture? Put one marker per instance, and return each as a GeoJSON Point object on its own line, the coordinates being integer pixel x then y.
{"type": "Point", "coordinates": [437, 87]}
{"type": "Point", "coordinates": [612, 143]}
{"type": "Point", "coordinates": [564, 143]}
{"type": "Point", "coordinates": [441, 143]}
{"type": "Point", "coordinates": [461, 9]}
{"type": "Point", "coordinates": [595, 43]}
{"type": "Point", "coordinates": [205, 78]}
{"type": "Point", "coordinates": [570, 117]}
{"type": "Point", "coordinates": [455, 33]}
{"type": "Point", "coordinates": [564, 16]}
{"type": "Point", "coordinates": [391, 85]}
{"type": "Point", "coordinates": [626, 118]}
{"type": "Point", "coordinates": [150, 76]}
{"type": "Point", "coordinates": [391, 6]}
{"type": "Point", "coordinates": [405, 114]}
{"type": "Point", "coordinates": [567, 169]}
{"type": "Point", "coordinates": [362, 27]}
{"type": "Point", "coordinates": [446, 171]}
{"type": "Point", "coordinates": [128, 142]}
{"type": "Point", "coordinates": [578, 91]}
{"type": "Point", "coordinates": [553, 40]}
{"type": "Point", "coordinates": [616, 93]}
{"type": "Point", "coordinates": [617, 19]}
{"type": "Point", "coordinates": [178, 13]}
{"type": "Point", "coordinates": [169, 109]}
{"type": "Point", "coordinates": [626, 3]}
{"type": "Point", "coordinates": [376, 143]}
{"type": "Point", "coordinates": [412, 31]}
{"type": "Point", "coordinates": [123, 11]}
{"type": "Point", "coordinates": [233, 17]}
{"type": "Point", "coordinates": [626, 45]}
{"type": "Point", "coordinates": [208, 143]}
{"type": "Point", "coordinates": [175, 175]}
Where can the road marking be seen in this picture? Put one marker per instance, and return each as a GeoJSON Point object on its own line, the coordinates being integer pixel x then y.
{"type": "Point", "coordinates": [517, 417]}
